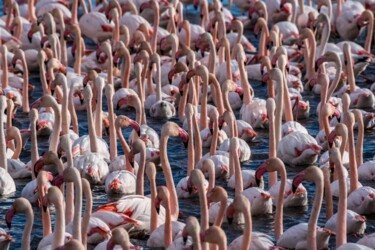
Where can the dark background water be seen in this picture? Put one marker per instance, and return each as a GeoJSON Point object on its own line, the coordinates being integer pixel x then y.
{"type": "Point", "coordinates": [178, 160]}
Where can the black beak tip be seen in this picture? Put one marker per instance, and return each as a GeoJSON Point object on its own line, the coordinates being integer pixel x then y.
{"type": "Point", "coordinates": [184, 239]}
{"type": "Point", "coordinates": [294, 188]}
{"type": "Point", "coordinates": [230, 220]}
{"type": "Point", "coordinates": [158, 210]}
{"type": "Point", "coordinates": [44, 208]}
{"type": "Point", "coordinates": [30, 39]}
{"type": "Point", "coordinates": [190, 189]}
{"type": "Point", "coordinates": [257, 181]}
{"type": "Point", "coordinates": [9, 225]}
{"type": "Point", "coordinates": [195, 7]}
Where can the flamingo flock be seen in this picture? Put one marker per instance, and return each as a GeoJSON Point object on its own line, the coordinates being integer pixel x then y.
{"type": "Point", "coordinates": [95, 100]}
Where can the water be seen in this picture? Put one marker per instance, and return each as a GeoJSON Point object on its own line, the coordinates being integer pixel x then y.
{"type": "Point", "coordinates": [178, 160]}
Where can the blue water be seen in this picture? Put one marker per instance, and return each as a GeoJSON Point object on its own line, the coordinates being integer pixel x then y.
{"type": "Point", "coordinates": [178, 159]}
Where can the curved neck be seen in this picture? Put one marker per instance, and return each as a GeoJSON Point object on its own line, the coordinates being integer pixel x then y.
{"type": "Point", "coordinates": [219, 94]}
{"type": "Point", "coordinates": [212, 56]}
{"type": "Point", "coordinates": [73, 114]}
{"type": "Point", "coordinates": [313, 221]}
{"type": "Point", "coordinates": [263, 37]}
{"type": "Point", "coordinates": [59, 230]}
{"type": "Point", "coordinates": [124, 144]}
{"type": "Point", "coordinates": [226, 100]}
{"type": "Point", "coordinates": [197, 142]}
{"type": "Point", "coordinates": [246, 239]}
{"type": "Point", "coordinates": [18, 150]}
{"type": "Point", "coordinates": [203, 209]}
{"type": "Point", "coordinates": [168, 176]}
{"type": "Point", "coordinates": [25, 244]}
{"type": "Point", "coordinates": [336, 80]}
{"type": "Point", "coordinates": [220, 215]}
{"type": "Point", "coordinates": [126, 74]}
{"type": "Point", "coordinates": [244, 84]}
{"type": "Point", "coordinates": [325, 36]}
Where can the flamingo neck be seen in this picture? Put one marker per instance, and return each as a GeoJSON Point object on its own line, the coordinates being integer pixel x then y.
{"type": "Point", "coordinates": [72, 111]}
{"type": "Point", "coordinates": [112, 130]}
{"type": "Point", "coordinates": [328, 193]}
{"type": "Point", "coordinates": [212, 56]}
{"type": "Point", "coordinates": [313, 221]}
{"type": "Point", "coordinates": [218, 97]}
{"type": "Point", "coordinates": [280, 204]}
{"type": "Point", "coordinates": [237, 173]}
{"type": "Point", "coordinates": [57, 127]}
{"type": "Point", "coordinates": [158, 82]}
{"type": "Point", "coordinates": [98, 116]}
{"type": "Point", "coordinates": [34, 146]}
{"type": "Point", "coordinates": [278, 118]}
{"type": "Point", "coordinates": [370, 32]}
{"type": "Point", "coordinates": [126, 75]}
{"type": "Point", "coordinates": [64, 114]}
{"type": "Point", "coordinates": [88, 208]}
{"type": "Point", "coordinates": [220, 215]}
{"type": "Point", "coordinates": [168, 176]}
{"type": "Point", "coordinates": [352, 162]}
{"type": "Point", "coordinates": [92, 134]}
{"type": "Point", "coordinates": [214, 139]}
{"type": "Point", "coordinates": [203, 118]}
{"type": "Point", "coordinates": [124, 144]}
{"type": "Point", "coordinates": [77, 234]}
{"type": "Point", "coordinates": [75, 12]}
{"type": "Point", "coordinates": [5, 69]}
{"type": "Point", "coordinates": [336, 80]}
{"type": "Point", "coordinates": [360, 135]}
{"type": "Point", "coordinates": [228, 61]}
{"type": "Point", "coordinates": [156, 27]}
{"type": "Point", "coordinates": [141, 171]}
{"type": "Point", "coordinates": [342, 206]}
{"type": "Point", "coordinates": [167, 225]}
{"type": "Point", "coordinates": [203, 210]}
{"type": "Point", "coordinates": [246, 239]}
{"type": "Point", "coordinates": [190, 165]}
{"type": "Point", "coordinates": [77, 65]}
{"type": "Point", "coordinates": [3, 159]}
{"type": "Point", "coordinates": [110, 67]}
{"type": "Point", "coordinates": [244, 84]}
{"type": "Point", "coordinates": [198, 142]}
{"type": "Point", "coordinates": [154, 215]}
{"type": "Point", "coordinates": [18, 150]}
{"type": "Point", "coordinates": [272, 176]}
{"type": "Point", "coordinates": [59, 230]}
{"type": "Point", "coordinates": [182, 102]}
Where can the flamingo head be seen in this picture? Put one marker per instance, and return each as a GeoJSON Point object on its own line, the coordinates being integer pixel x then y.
{"type": "Point", "coordinates": [319, 62]}
{"type": "Point", "coordinates": [239, 91]}
{"type": "Point", "coordinates": [184, 136]}
{"type": "Point", "coordinates": [250, 132]}
{"type": "Point", "coordinates": [298, 179]}
{"type": "Point", "coordinates": [39, 164]}
{"type": "Point", "coordinates": [230, 213]}
{"type": "Point", "coordinates": [221, 122]}
{"type": "Point", "coordinates": [131, 158]}
{"type": "Point", "coordinates": [110, 245]}
{"type": "Point", "coordinates": [115, 184]}
{"type": "Point", "coordinates": [135, 125]}
{"type": "Point", "coordinates": [260, 172]}
{"type": "Point", "coordinates": [9, 216]}
{"type": "Point", "coordinates": [58, 180]}
{"type": "Point", "coordinates": [171, 73]}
